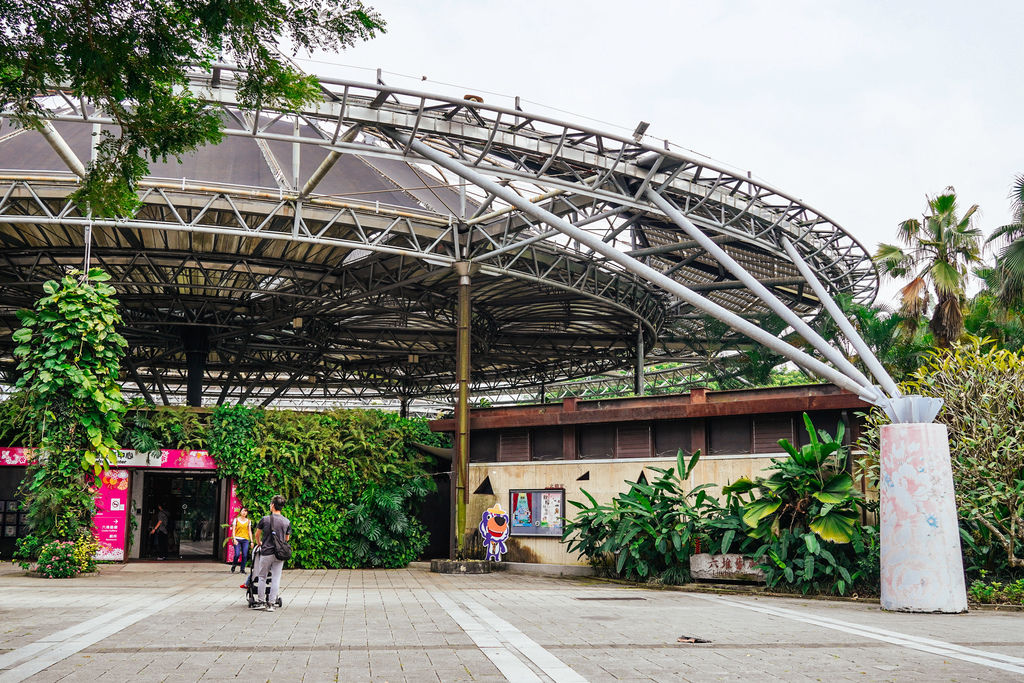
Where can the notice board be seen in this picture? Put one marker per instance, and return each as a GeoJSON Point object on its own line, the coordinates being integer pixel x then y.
{"type": "Point", "coordinates": [537, 512]}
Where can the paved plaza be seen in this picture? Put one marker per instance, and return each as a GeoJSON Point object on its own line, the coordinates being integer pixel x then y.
{"type": "Point", "coordinates": [189, 622]}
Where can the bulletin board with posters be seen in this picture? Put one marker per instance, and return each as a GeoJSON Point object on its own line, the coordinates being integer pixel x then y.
{"type": "Point", "coordinates": [536, 512]}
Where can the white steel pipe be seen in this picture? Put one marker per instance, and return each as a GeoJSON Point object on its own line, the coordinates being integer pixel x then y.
{"type": "Point", "coordinates": [876, 369]}
{"type": "Point", "coordinates": [650, 274]}
{"type": "Point", "coordinates": [762, 292]}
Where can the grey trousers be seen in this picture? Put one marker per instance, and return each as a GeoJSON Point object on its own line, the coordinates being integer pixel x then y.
{"type": "Point", "coordinates": [267, 564]}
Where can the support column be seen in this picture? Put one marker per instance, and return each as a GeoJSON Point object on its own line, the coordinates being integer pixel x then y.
{"type": "Point", "coordinates": [921, 565]}
{"type": "Point", "coordinates": [638, 374]}
{"type": "Point", "coordinates": [460, 463]}
{"type": "Point", "coordinates": [197, 347]}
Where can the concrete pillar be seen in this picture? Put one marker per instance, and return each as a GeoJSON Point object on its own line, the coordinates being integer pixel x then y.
{"type": "Point", "coordinates": [922, 568]}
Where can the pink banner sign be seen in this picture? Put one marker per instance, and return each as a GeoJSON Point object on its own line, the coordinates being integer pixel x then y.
{"type": "Point", "coordinates": [14, 456]}
{"type": "Point", "coordinates": [170, 458]}
{"type": "Point", "coordinates": [234, 505]}
{"type": "Point", "coordinates": [110, 523]}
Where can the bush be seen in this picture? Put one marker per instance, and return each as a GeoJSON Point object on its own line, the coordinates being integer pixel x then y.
{"type": "Point", "coordinates": [983, 397]}
{"type": "Point", "coordinates": [57, 560]}
{"type": "Point", "coordinates": [26, 551]}
{"type": "Point", "coordinates": [649, 531]}
{"type": "Point", "coordinates": [85, 551]}
{"type": "Point", "coordinates": [984, 411]}
{"type": "Point", "coordinates": [997, 592]}
{"type": "Point", "coordinates": [806, 514]}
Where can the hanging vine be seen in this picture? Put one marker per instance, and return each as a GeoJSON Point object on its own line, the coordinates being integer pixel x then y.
{"type": "Point", "coordinates": [70, 356]}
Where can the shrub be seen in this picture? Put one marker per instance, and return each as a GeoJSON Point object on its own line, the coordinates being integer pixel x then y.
{"type": "Point", "coordinates": [983, 397]}
{"type": "Point", "coordinates": [57, 560]}
{"type": "Point", "coordinates": [85, 550]}
{"type": "Point", "coordinates": [26, 551]}
{"type": "Point", "coordinates": [983, 394]}
{"type": "Point", "coordinates": [806, 514]}
{"type": "Point", "coordinates": [997, 592]}
{"type": "Point", "coordinates": [649, 531]}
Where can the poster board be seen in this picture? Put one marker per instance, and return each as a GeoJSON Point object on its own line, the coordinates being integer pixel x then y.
{"type": "Point", "coordinates": [536, 512]}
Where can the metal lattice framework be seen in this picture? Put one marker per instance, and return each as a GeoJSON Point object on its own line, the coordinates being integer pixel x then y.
{"type": "Point", "coordinates": [309, 258]}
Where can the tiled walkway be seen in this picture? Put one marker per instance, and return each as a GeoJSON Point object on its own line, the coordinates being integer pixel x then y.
{"type": "Point", "coordinates": [189, 622]}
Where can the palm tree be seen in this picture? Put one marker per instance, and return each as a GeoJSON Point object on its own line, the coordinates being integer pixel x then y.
{"type": "Point", "coordinates": [941, 247]}
{"type": "Point", "coordinates": [1010, 261]}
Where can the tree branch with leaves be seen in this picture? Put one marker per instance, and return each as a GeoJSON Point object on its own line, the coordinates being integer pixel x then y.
{"type": "Point", "coordinates": [130, 59]}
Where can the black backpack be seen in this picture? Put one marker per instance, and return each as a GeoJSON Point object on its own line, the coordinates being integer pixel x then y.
{"type": "Point", "coordinates": [282, 548]}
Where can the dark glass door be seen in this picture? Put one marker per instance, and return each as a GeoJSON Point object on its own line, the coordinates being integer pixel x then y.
{"type": "Point", "coordinates": [190, 500]}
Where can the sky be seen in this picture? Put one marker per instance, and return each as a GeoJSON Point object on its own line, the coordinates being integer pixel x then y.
{"type": "Point", "coordinates": [860, 109]}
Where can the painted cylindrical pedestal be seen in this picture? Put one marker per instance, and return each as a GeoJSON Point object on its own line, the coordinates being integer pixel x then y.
{"type": "Point", "coordinates": [922, 568]}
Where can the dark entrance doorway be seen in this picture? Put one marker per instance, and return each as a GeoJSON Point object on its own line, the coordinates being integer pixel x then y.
{"type": "Point", "coordinates": [191, 502]}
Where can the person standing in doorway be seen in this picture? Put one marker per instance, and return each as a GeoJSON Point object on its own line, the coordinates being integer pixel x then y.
{"type": "Point", "coordinates": [159, 531]}
{"type": "Point", "coordinates": [241, 536]}
{"type": "Point", "coordinates": [271, 528]}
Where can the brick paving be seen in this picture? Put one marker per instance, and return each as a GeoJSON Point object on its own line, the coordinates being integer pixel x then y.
{"type": "Point", "coordinates": [189, 622]}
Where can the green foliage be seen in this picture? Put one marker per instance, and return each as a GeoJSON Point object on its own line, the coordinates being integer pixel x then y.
{"type": "Point", "coordinates": [997, 592]}
{"type": "Point", "coordinates": [84, 553]}
{"type": "Point", "coordinates": [16, 425]}
{"type": "Point", "coordinates": [57, 560]}
{"type": "Point", "coordinates": [806, 514]}
{"type": "Point", "coordinates": [808, 491]}
{"type": "Point", "coordinates": [809, 564]}
{"type": "Point", "coordinates": [352, 480]}
{"type": "Point", "coordinates": [179, 427]}
{"type": "Point", "coordinates": [649, 531]}
{"type": "Point", "coordinates": [131, 59]}
{"type": "Point", "coordinates": [70, 356]}
{"type": "Point", "coordinates": [983, 396]}
{"type": "Point", "coordinates": [26, 551]}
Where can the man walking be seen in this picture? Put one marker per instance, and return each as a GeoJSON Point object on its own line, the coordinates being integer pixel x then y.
{"type": "Point", "coordinates": [269, 531]}
{"type": "Point", "coordinates": [160, 531]}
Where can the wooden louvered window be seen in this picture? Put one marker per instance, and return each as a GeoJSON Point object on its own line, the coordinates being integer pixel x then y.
{"type": "Point", "coordinates": [546, 443]}
{"type": "Point", "coordinates": [670, 436]}
{"type": "Point", "coordinates": [483, 446]}
{"type": "Point", "coordinates": [729, 436]}
{"type": "Point", "coordinates": [596, 441]}
{"type": "Point", "coordinates": [514, 446]}
{"type": "Point", "coordinates": [633, 441]}
{"type": "Point", "coordinates": [768, 429]}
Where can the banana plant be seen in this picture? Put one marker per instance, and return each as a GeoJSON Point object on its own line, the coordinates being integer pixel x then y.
{"type": "Point", "coordinates": [810, 489]}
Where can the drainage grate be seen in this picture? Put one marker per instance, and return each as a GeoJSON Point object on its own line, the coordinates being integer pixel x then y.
{"type": "Point", "coordinates": [687, 640]}
{"type": "Point", "coordinates": [611, 598]}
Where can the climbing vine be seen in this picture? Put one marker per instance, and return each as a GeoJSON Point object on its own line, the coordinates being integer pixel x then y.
{"type": "Point", "coordinates": [70, 356]}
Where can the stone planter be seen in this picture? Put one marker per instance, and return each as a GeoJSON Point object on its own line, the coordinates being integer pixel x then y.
{"type": "Point", "coordinates": [465, 566]}
{"type": "Point", "coordinates": [729, 567]}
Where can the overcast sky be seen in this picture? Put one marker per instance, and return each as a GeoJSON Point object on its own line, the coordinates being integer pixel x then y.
{"type": "Point", "coordinates": [858, 108]}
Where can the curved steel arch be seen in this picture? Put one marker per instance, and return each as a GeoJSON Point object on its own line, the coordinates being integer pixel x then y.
{"type": "Point", "coordinates": [306, 287]}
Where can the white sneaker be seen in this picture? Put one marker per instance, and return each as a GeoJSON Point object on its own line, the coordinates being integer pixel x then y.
{"type": "Point", "coordinates": [270, 607]}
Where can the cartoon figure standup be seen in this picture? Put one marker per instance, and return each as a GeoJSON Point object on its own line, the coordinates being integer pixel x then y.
{"type": "Point", "coordinates": [495, 529]}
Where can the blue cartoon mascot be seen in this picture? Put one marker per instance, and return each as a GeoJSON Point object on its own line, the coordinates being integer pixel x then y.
{"type": "Point", "coordinates": [495, 529]}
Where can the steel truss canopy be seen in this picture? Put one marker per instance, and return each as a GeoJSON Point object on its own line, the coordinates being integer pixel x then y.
{"type": "Point", "coordinates": [309, 259]}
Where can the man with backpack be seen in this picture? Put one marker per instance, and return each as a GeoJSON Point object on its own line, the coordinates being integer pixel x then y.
{"type": "Point", "coordinates": [272, 535]}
